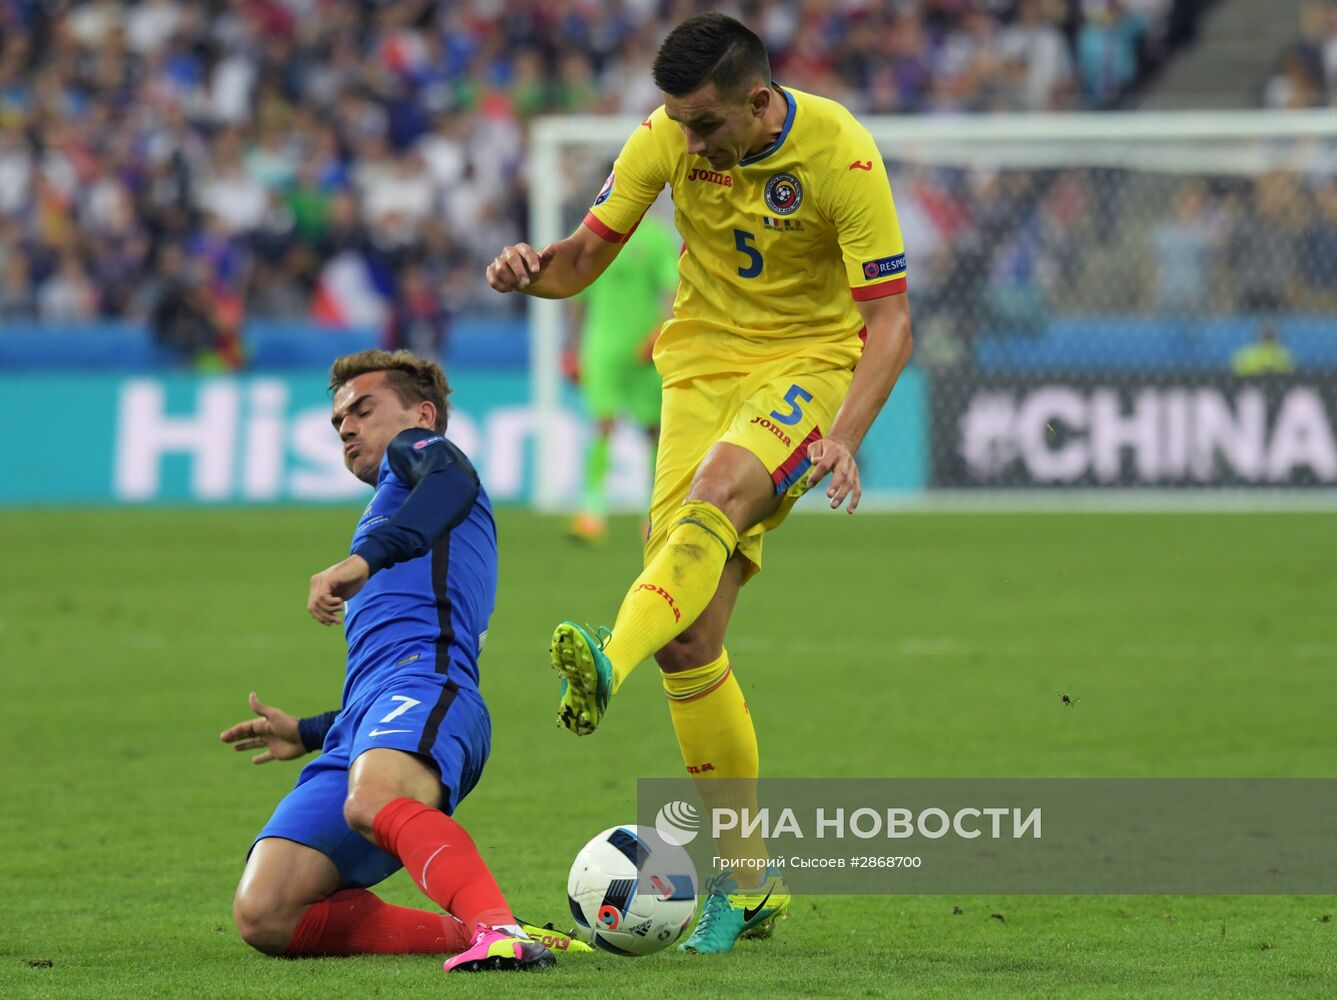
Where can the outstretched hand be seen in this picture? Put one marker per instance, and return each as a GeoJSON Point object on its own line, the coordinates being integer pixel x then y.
{"type": "Point", "coordinates": [334, 585]}
{"type": "Point", "coordinates": [512, 269]}
{"type": "Point", "coordinates": [834, 456]}
{"type": "Point", "coordinates": [275, 730]}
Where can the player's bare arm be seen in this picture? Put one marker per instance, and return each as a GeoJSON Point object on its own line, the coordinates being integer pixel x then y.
{"type": "Point", "coordinates": [558, 271]}
{"type": "Point", "coordinates": [884, 357]}
{"type": "Point", "coordinates": [275, 730]}
{"type": "Point", "coordinates": [334, 585]}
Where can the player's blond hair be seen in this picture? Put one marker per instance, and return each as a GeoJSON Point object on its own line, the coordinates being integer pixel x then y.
{"type": "Point", "coordinates": [414, 379]}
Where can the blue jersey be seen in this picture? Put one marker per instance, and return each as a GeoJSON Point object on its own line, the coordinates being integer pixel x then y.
{"type": "Point", "coordinates": [414, 633]}
{"type": "Point", "coordinates": [429, 538]}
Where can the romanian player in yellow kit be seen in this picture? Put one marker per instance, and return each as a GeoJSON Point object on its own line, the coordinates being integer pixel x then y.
{"type": "Point", "coordinates": [789, 330]}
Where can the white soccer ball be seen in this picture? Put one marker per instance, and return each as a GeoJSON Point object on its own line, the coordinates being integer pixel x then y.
{"type": "Point", "coordinates": [633, 891]}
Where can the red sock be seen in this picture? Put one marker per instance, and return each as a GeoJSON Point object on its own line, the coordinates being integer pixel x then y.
{"type": "Point", "coordinates": [441, 858]}
{"type": "Point", "coordinates": [356, 922]}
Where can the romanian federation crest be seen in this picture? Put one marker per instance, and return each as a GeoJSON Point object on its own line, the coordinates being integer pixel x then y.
{"type": "Point", "coordinates": [784, 194]}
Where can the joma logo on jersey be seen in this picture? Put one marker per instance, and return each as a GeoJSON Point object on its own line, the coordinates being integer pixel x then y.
{"type": "Point", "coordinates": [713, 176]}
{"type": "Point", "coordinates": [763, 422]}
{"type": "Point", "coordinates": [673, 605]}
{"type": "Point", "coordinates": [781, 225]}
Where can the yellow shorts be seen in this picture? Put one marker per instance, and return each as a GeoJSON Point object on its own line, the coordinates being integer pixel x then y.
{"type": "Point", "coordinates": [775, 413]}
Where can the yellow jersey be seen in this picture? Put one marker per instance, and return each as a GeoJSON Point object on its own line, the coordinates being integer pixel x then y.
{"type": "Point", "coordinates": [775, 251]}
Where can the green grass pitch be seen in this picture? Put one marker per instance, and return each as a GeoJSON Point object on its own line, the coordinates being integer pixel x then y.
{"type": "Point", "coordinates": [875, 645]}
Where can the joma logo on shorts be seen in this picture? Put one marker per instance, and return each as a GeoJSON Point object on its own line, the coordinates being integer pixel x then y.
{"type": "Point", "coordinates": [700, 768]}
{"type": "Point", "coordinates": [774, 430]}
{"type": "Point", "coordinates": [714, 176]}
{"type": "Point", "coordinates": [677, 615]}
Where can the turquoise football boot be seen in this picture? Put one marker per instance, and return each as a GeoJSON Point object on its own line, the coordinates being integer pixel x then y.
{"type": "Point", "coordinates": [587, 676]}
{"type": "Point", "coordinates": [729, 914]}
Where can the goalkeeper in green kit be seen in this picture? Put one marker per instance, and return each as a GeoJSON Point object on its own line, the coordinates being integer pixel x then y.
{"type": "Point", "coordinates": [612, 331]}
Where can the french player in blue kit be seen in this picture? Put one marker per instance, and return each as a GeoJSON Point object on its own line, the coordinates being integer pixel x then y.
{"type": "Point", "coordinates": [415, 595]}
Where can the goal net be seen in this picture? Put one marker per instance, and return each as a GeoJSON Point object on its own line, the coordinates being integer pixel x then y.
{"type": "Point", "coordinates": [1122, 306]}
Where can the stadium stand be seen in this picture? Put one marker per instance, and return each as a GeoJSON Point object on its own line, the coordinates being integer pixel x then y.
{"type": "Point", "coordinates": [214, 171]}
{"type": "Point", "coordinates": [1305, 70]}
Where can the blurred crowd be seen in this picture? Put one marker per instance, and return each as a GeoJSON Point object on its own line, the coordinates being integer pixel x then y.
{"type": "Point", "coordinates": [1306, 72]}
{"type": "Point", "coordinates": [189, 164]}
{"type": "Point", "coordinates": [1007, 250]}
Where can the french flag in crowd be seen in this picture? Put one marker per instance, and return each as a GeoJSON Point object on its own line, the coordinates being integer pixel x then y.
{"type": "Point", "coordinates": [350, 293]}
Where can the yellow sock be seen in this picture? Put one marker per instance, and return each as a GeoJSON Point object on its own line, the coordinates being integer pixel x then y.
{"type": "Point", "coordinates": [715, 733]}
{"type": "Point", "coordinates": [674, 588]}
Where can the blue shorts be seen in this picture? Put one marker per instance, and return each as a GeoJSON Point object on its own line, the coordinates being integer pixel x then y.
{"type": "Point", "coordinates": [421, 714]}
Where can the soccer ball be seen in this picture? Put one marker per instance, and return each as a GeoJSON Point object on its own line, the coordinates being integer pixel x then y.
{"type": "Point", "coordinates": [633, 891]}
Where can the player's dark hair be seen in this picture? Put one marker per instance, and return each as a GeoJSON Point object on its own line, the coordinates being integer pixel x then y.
{"type": "Point", "coordinates": [710, 48]}
{"type": "Point", "coordinates": [414, 379]}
